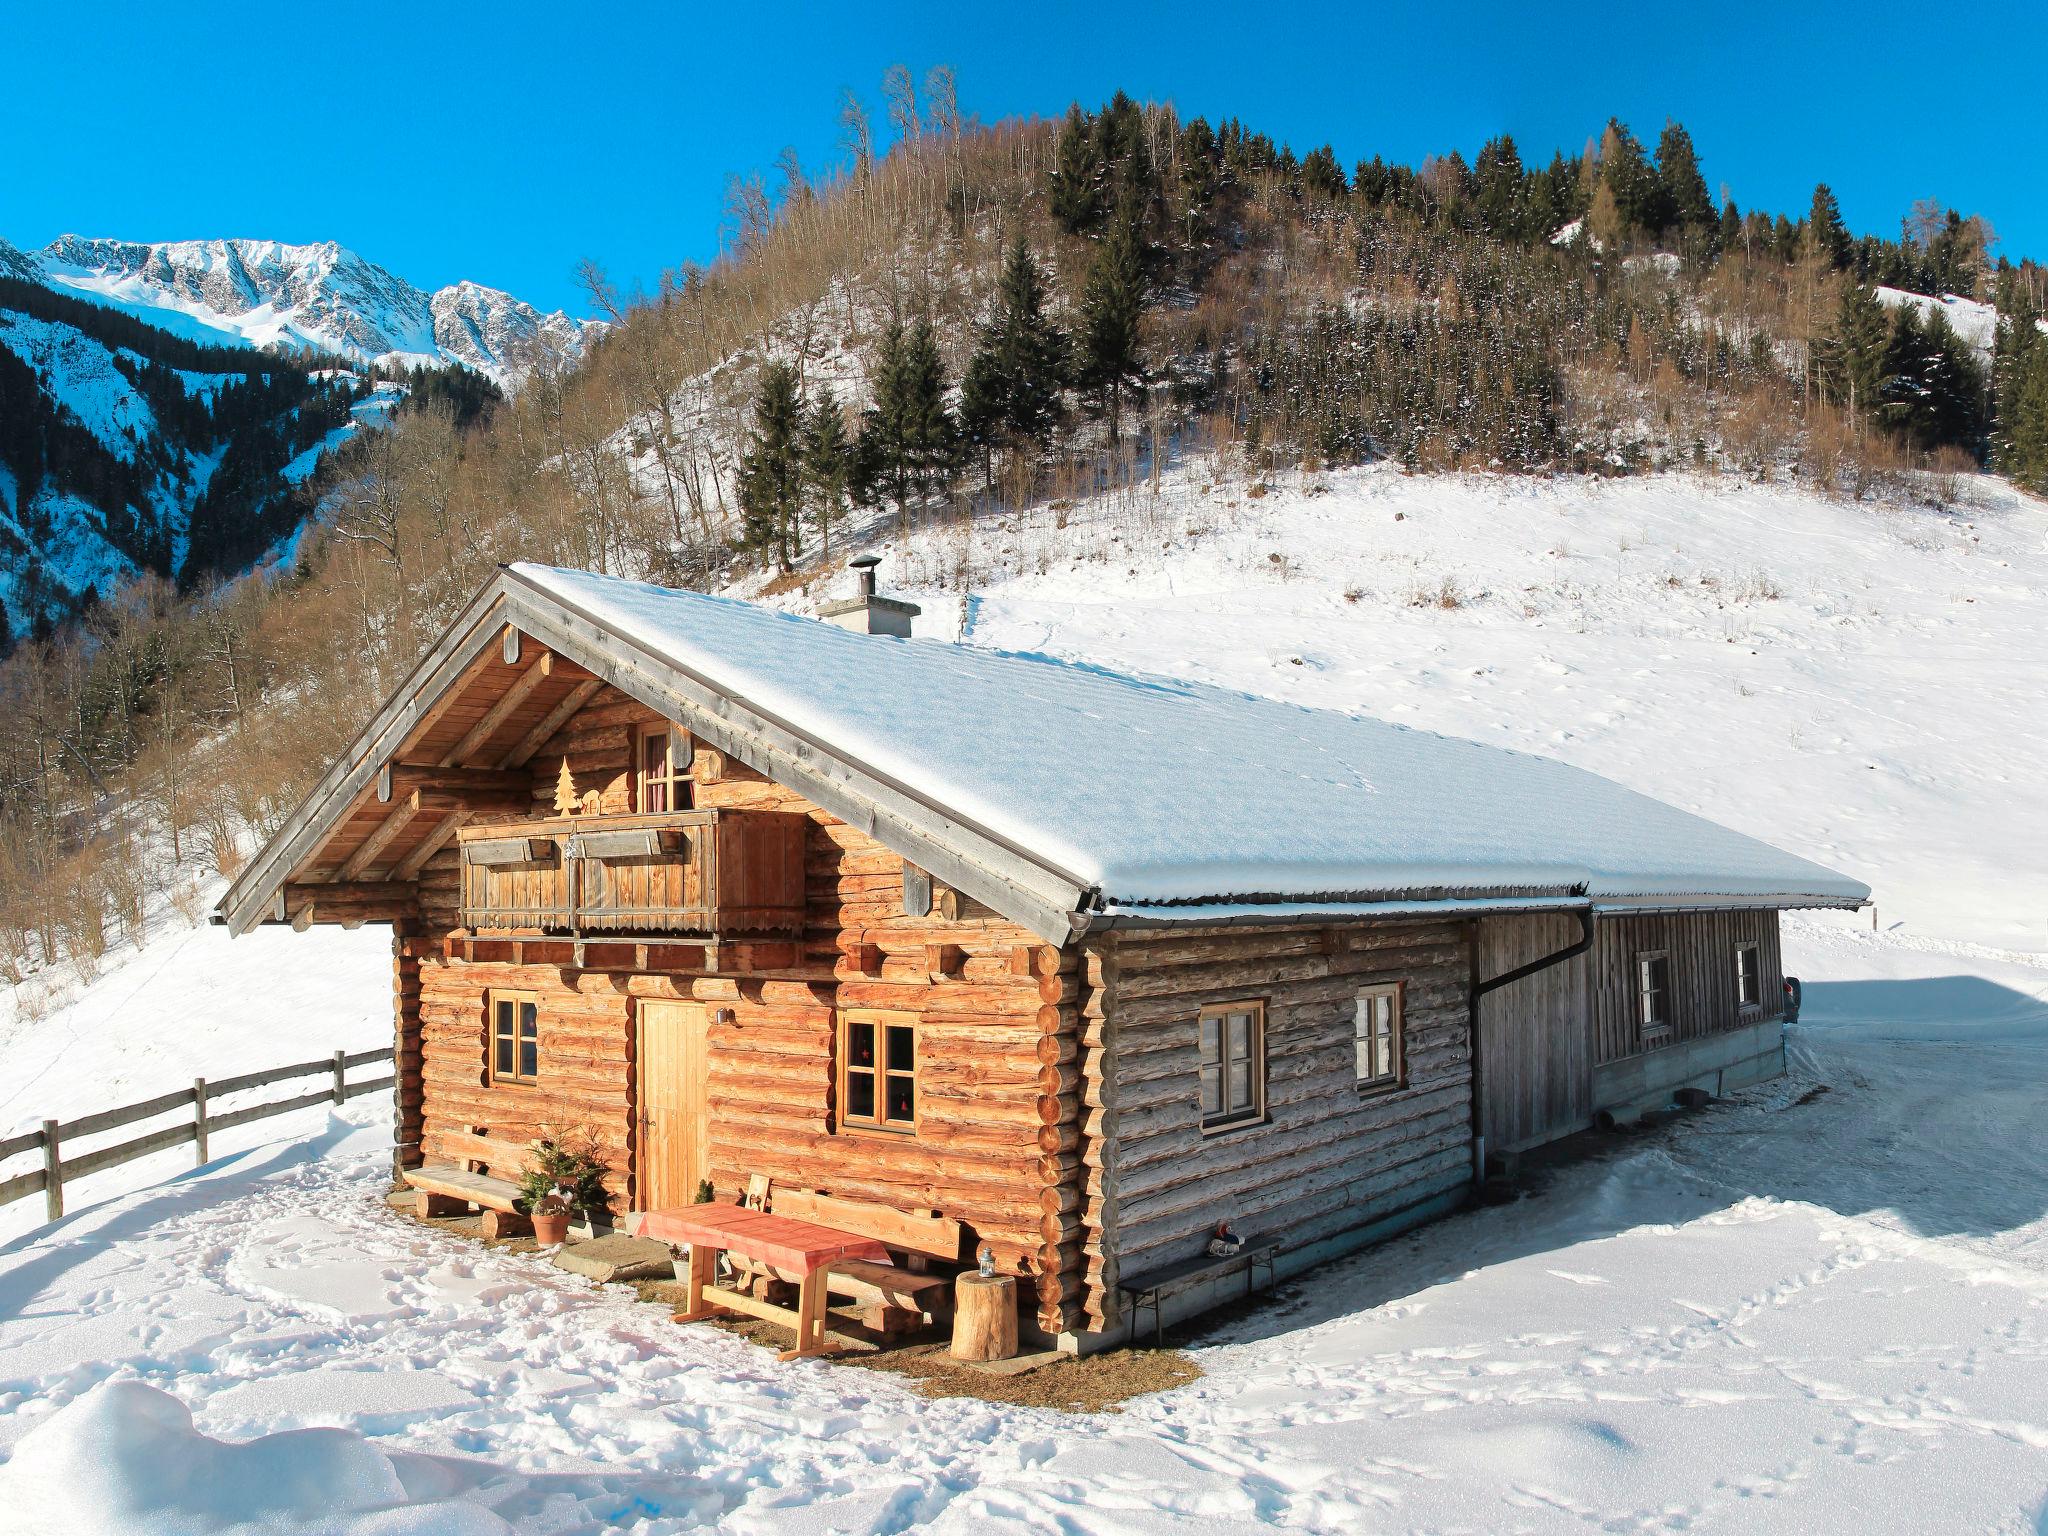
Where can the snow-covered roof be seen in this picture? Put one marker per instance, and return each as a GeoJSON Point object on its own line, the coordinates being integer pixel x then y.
{"type": "Point", "coordinates": [1174, 799]}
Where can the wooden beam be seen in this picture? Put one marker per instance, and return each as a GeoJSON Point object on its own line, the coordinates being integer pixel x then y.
{"type": "Point", "coordinates": [408, 868]}
{"type": "Point", "coordinates": [442, 801]}
{"type": "Point", "coordinates": [432, 704]}
{"type": "Point", "coordinates": [379, 840]}
{"type": "Point", "coordinates": [401, 779]}
{"type": "Point", "coordinates": [552, 722]}
{"type": "Point", "coordinates": [494, 717]}
{"type": "Point", "coordinates": [351, 902]}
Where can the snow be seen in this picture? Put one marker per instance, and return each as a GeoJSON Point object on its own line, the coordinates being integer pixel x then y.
{"type": "Point", "coordinates": [1857, 682]}
{"type": "Point", "coordinates": [1189, 793]}
{"type": "Point", "coordinates": [1754, 1318]}
{"type": "Point", "coordinates": [1796, 1310]}
{"type": "Point", "coordinates": [185, 1003]}
{"type": "Point", "coordinates": [83, 379]}
{"type": "Point", "coordinates": [1974, 323]}
{"type": "Point", "coordinates": [265, 293]}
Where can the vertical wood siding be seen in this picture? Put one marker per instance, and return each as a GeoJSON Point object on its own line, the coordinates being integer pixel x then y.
{"type": "Point", "coordinates": [1535, 1037]}
{"type": "Point", "coordinates": [1702, 950]}
{"type": "Point", "coordinates": [1326, 1158]}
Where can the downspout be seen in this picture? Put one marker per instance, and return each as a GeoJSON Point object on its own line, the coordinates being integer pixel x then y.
{"type": "Point", "coordinates": [1478, 989]}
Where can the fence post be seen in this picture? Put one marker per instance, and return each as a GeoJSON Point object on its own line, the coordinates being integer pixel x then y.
{"type": "Point", "coordinates": [53, 1174]}
{"type": "Point", "coordinates": [199, 1120]}
{"type": "Point", "coordinates": [340, 1067]}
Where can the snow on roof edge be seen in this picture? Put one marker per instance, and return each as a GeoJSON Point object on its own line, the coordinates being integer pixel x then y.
{"type": "Point", "coordinates": [871, 698]}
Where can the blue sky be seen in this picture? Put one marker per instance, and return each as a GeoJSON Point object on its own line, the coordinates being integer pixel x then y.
{"type": "Point", "coordinates": [505, 145]}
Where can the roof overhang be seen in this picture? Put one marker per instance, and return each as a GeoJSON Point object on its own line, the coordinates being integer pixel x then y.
{"type": "Point", "coordinates": [959, 852]}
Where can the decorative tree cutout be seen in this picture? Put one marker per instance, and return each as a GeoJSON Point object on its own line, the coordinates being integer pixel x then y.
{"type": "Point", "coordinates": [566, 801]}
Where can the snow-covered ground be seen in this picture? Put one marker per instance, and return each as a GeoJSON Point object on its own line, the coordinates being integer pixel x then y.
{"type": "Point", "coordinates": [1793, 1306]}
{"type": "Point", "coordinates": [1797, 1311]}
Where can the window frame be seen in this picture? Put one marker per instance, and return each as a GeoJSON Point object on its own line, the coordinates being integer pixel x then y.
{"type": "Point", "coordinates": [516, 996]}
{"type": "Point", "coordinates": [1753, 1004]}
{"type": "Point", "coordinates": [1662, 1027]}
{"type": "Point", "coordinates": [681, 768]}
{"type": "Point", "coordinates": [1396, 1078]}
{"type": "Point", "coordinates": [1225, 1119]}
{"type": "Point", "coordinates": [884, 1021]}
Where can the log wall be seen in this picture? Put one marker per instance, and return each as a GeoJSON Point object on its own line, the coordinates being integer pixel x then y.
{"type": "Point", "coordinates": [999, 1080]}
{"type": "Point", "coordinates": [406, 1093]}
{"type": "Point", "coordinates": [1702, 950]}
{"type": "Point", "coordinates": [1325, 1158]}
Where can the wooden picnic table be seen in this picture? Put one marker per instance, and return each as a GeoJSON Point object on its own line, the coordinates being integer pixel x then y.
{"type": "Point", "coordinates": [802, 1248]}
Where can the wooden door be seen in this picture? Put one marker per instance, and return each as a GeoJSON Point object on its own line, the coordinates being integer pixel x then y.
{"type": "Point", "coordinates": [674, 1121]}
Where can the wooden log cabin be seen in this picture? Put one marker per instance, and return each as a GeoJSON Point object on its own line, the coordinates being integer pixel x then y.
{"type": "Point", "coordinates": [1087, 962]}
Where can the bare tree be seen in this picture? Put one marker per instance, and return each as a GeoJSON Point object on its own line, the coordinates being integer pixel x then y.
{"type": "Point", "coordinates": [941, 102]}
{"type": "Point", "coordinates": [900, 91]}
{"type": "Point", "coordinates": [856, 137]}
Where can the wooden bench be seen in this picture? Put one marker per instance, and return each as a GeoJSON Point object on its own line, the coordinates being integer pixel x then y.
{"type": "Point", "coordinates": [900, 1295]}
{"type": "Point", "coordinates": [1160, 1285]}
{"type": "Point", "coordinates": [486, 1172]}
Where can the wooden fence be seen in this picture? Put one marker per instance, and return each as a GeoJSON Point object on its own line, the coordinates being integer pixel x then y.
{"type": "Point", "coordinates": [56, 1135]}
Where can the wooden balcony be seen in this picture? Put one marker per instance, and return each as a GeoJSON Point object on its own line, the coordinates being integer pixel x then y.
{"type": "Point", "coordinates": [710, 874]}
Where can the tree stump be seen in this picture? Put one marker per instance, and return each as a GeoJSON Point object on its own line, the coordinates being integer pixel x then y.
{"type": "Point", "coordinates": [984, 1317]}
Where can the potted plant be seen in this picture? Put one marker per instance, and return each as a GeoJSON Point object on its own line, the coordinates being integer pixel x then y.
{"type": "Point", "coordinates": [562, 1181]}
{"type": "Point", "coordinates": [550, 1215]}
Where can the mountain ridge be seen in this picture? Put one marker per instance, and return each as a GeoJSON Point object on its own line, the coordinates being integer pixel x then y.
{"type": "Point", "coordinates": [322, 296]}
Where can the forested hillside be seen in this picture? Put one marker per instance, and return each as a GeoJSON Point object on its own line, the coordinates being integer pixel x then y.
{"type": "Point", "coordinates": [988, 317]}
{"type": "Point", "coordinates": [126, 451]}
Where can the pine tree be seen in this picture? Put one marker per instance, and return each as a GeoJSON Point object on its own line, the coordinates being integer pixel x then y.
{"type": "Point", "coordinates": [1499, 195]}
{"type": "Point", "coordinates": [1321, 175]}
{"type": "Point", "coordinates": [1076, 173]}
{"type": "Point", "coordinates": [981, 409]}
{"type": "Point", "coordinates": [1111, 304]}
{"type": "Point", "coordinates": [828, 464]}
{"type": "Point", "coordinates": [1627, 173]}
{"type": "Point", "coordinates": [771, 478]}
{"type": "Point", "coordinates": [1683, 200]}
{"type": "Point", "coordinates": [1731, 226]}
{"type": "Point", "coordinates": [1853, 359]}
{"type": "Point", "coordinates": [1825, 229]}
{"type": "Point", "coordinates": [930, 436]}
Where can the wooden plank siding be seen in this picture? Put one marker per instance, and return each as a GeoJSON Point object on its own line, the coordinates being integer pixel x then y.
{"type": "Point", "coordinates": [1702, 950]}
{"type": "Point", "coordinates": [996, 1012]}
{"type": "Point", "coordinates": [1535, 1035]}
{"type": "Point", "coordinates": [1325, 1157]}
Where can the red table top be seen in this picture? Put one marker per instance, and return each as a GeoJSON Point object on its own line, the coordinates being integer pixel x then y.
{"type": "Point", "coordinates": [781, 1241]}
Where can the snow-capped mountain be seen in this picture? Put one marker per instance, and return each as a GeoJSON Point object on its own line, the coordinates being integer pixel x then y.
{"type": "Point", "coordinates": [268, 294]}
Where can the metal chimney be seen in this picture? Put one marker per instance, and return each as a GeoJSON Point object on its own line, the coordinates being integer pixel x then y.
{"type": "Point", "coordinates": [868, 613]}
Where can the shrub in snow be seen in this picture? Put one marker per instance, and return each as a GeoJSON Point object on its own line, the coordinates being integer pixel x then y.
{"type": "Point", "coordinates": [126, 1457]}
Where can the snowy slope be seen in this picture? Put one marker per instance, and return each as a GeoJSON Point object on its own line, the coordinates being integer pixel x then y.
{"type": "Point", "coordinates": [1812, 1302]}
{"type": "Point", "coordinates": [1856, 683]}
{"type": "Point", "coordinates": [326, 297]}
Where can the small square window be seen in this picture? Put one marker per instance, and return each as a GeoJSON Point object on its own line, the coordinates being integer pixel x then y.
{"type": "Point", "coordinates": [878, 1072]}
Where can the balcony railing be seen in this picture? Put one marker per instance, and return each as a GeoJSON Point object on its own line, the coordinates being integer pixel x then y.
{"type": "Point", "coordinates": [713, 873]}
